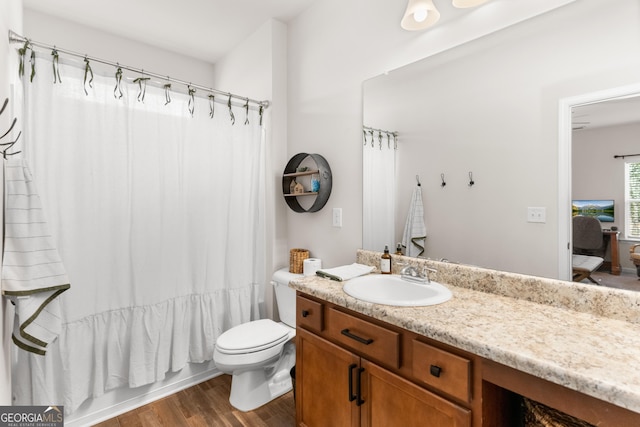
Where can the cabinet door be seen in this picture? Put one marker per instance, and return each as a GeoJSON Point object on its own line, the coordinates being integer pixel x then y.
{"type": "Point", "coordinates": [393, 401]}
{"type": "Point", "coordinates": [325, 383]}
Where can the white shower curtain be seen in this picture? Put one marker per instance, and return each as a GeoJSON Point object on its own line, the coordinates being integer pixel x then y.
{"type": "Point", "coordinates": [378, 200]}
{"type": "Point", "coordinates": [159, 220]}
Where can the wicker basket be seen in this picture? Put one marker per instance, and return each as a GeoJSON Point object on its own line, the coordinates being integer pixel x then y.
{"type": "Point", "coordinates": [296, 259]}
{"type": "Point", "coordinates": [539, 415]}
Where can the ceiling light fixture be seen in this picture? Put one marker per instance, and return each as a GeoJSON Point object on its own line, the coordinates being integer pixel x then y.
{"type": "Point", "coordinates": [420, 14]}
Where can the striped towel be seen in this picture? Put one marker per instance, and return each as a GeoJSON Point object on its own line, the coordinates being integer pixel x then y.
{"type": "Point", "coordinates": [32, 272]}
{"type": "Point", "coordinates": [415, 232]}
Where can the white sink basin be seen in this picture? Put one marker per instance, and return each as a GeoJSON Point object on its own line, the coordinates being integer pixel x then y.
{"type": "Point", "coordinates": [392, 290]}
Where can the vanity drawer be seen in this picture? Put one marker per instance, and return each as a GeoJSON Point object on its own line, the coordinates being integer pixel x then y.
{"type": "Point", "coordinates": [371, 340]}
{"type": "Point", "coordinates": [443, 370]}
{"type": "Point", "coordinates": [309, 314]}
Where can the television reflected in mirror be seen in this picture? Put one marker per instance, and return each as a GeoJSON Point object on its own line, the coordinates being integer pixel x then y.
{"type": "Point", "coordinates": [601, 209]}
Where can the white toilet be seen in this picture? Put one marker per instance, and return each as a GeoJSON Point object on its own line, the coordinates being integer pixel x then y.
{"type": "Point", "coordinates": [261, 353]}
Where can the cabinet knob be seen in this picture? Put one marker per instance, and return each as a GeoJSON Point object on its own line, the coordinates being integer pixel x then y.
{"type": "Point", "coordinates": [305, 313]}
{"type": "Point", "coordinates": [435, 370]}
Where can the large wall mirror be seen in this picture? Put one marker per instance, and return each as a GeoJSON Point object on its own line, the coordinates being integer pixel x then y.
{"type": "Point", "coordinates": [487, 112]}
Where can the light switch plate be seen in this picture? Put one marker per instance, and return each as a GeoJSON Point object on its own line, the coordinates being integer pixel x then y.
{"type": "Point", "coordinates": [537, 214]}
{"type": "Point", "coordinates": [337, 217]}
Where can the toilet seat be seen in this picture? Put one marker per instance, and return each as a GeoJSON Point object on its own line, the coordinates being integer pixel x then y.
{"type": "Point", "coordinates": [252, 337]}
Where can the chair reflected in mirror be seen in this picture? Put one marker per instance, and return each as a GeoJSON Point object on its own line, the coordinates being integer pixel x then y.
{"type": "Point", "coordinates": [635, 257]}
{"type": "Point", "coordinates": [589, 248]}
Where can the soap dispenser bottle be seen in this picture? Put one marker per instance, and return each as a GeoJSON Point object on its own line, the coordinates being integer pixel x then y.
{"type": "Point", "coordinates": [399, 249]}
{"type": "Point", "coordinates": [385, 261]}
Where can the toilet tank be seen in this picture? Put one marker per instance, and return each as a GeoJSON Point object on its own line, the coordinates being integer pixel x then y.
{"type": "Point", "coordinates": [285, 296]}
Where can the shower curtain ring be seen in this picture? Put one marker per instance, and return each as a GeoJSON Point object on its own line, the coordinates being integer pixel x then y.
{"type": "Point", "coordinates": [167, 92]}
{"type": "Point", "coordinates": [231, 115]}
{"type": "Point", "coordinates": [192, 99]}
{"type": "Point", "coordinates": [212, 100]}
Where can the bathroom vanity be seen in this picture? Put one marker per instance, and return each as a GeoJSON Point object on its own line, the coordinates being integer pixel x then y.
{"type": "Point", "coordinates": [469, 361]}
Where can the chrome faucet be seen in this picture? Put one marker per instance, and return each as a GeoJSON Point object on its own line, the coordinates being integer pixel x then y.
{"type": "Point", "coordinates": [411, 274]}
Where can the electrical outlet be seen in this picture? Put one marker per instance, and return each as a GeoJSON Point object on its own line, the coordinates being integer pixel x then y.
{"type": "Point", "coordinates": [337, 217]}
{"type": "Point", "coordinates": [537, 215]}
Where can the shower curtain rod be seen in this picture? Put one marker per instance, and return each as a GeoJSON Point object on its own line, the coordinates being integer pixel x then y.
{"type": "Point", "coordinates": [622, 156]}
{"type": "Point", "coordinates": [16, 38]}
{"type": "Point", "coordinates": [394, 133]}
{"type": "Point", "coordinates": [388, 133]}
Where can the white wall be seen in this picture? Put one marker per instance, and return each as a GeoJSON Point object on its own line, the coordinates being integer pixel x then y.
{"type": "Point", "coordinates": [86, 40]}
{"type": "Point", "coordinates": [597, 175]}
{"type": "Point", "coordinates": [334, 46]}
{"type": "Point", "coordinates": [257, 68]}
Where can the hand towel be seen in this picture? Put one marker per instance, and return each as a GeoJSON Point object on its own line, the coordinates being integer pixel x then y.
{"type": "Point", "coordinates": [415, 232]}
{"type": "Point", "coordinates": [33, 275]}
{"type": "Point", "coordinates": [345, 272]}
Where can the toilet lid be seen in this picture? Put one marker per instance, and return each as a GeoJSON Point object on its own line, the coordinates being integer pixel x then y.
{"type": "Point", "coordinates": [252, 336]}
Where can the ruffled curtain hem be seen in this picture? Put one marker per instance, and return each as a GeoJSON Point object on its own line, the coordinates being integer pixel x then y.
{"type": "Point", "coordinates": [131, 347]}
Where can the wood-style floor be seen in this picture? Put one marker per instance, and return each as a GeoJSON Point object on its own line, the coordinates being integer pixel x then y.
{"type": "Point", "coordinates": [206, 404]}
{"type": "Point", "coordinates": [626, 280]}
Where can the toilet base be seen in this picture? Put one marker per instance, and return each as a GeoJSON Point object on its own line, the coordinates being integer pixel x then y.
{"type": "Point", "coordinates": [253, 388]}
{"type": "Point", "coordinates": [250, 390]}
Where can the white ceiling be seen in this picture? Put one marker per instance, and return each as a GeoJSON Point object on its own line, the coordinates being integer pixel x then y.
{"type": "Point", "coordinates": [203, 29]}
{"type": "Point", "coordinates": [612, 112]}
{"type": "Point", "coordinates": [208, 29]}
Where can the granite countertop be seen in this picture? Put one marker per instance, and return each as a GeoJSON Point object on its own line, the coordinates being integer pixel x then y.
{"type": "Point", "coordinates": [586, 338]}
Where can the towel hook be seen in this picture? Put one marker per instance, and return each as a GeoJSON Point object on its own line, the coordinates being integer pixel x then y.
{"type": "Point", "coordinates": [471, 182]}
{"type": "Point", "coordinates": [443, 182]}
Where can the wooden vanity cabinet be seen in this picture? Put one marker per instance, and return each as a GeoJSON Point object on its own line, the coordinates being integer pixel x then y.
{"type": "Point", "coordinates": [351, 371]}
{"type": "Point", "coordinates": [325, 375]}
